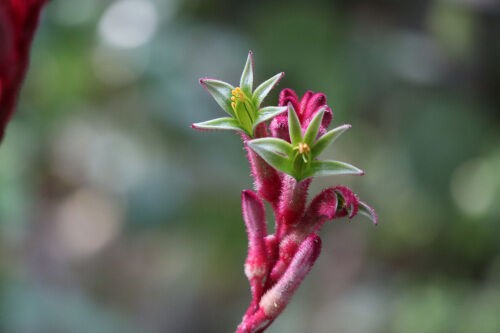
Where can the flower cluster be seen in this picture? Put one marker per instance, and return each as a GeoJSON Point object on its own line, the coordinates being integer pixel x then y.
{"type": "Point", "coordinates": [18, 21]}
{"type": "Point", "coordinates": [283, 145]}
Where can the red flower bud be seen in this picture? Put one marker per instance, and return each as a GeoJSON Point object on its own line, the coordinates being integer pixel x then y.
{"type": "Point", "coordinates": [306, 108]}
{"type": "Point", "coordinates": [279, 127]}
{"type": "Point", "coordinates": [277, 298]}
{"type": "Point", "coordinates": [287, 95]}
{"type": "Point", "coordinates": [256, 265]}
{"type": "Point", "coordinates": [321, 209]}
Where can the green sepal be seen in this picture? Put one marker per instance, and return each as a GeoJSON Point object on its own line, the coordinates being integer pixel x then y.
{"type": "Point", "coordinates": [264, 88]}
{"type": "Point", "coordinates": [313, 128]}
{"type": "Point", "coordinates": [368, 211]}
{"type": "Point", "coordinates": [327, 139]}
{"type": "Point", "coordinates": [226, 123]}
{"type": "Point", "coordinates": [294, 127]}
{"type": "Point", "coordinates": [267, 113]}
{"type": "Point", "coordinates": [331, 168]}
{"type": "Point", "coordinates": [245, 117]}
{"type": "Point", "coordinates": [221, 92]}
{"type": "Point", "coordinates": [246, 80]}
{"type": "Point", "coordinates": [276, 152]}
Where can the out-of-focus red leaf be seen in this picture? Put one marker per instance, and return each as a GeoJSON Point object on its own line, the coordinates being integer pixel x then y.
{"type": "Point", "coordinates": [18, 22]}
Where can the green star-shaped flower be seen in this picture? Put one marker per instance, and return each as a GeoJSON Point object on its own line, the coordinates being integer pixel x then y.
{"type": "Point", "coordinates": [298, 158]}
{"type": "Point", "coordinates": [241, 103]}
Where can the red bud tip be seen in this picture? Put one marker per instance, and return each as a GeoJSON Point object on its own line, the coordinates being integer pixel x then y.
{"type": "Point", "coordinates": [255, 217]}
{"type": "Point", "coordinates": [276, 299]}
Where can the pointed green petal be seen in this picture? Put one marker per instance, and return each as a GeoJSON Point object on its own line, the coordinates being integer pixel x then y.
{"type": "Point", "coordinates": [313, 128]}
{"type": "Point", "coordinates": [294, 126]}
{"type": "Point", "coordinates": [275, 152]}
{"type": "Point", "coordinates": [267, 113]}
{"type": "Point", "coordinates": [368, 211]}
{"type": "Point", "coordinates": [221, 92]}
{"type": "Point", "coordinates": [219, 124]}
{"type": "Point", "coordinates": [327, 139]}
{"type": "Point", "coordinates": [331, 168]}
{"type": "Point", "coordinates": [246, 81]}
{"type": "Point", "coordinates": [265, 87]}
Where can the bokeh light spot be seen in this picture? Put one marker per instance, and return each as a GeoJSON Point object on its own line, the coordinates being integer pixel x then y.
{"type": "Point", "coordinates": [86, 222]}
{"type": "Point", "coordinates": [128, 23]}
{"type": "Point", "coordinates": [473, 187]}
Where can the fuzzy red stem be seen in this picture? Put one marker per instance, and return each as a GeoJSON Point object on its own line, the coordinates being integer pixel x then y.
{"type": "Point", "coordinates": [267, 181]}
{"type": "Point", "coordinates": [291, 203]}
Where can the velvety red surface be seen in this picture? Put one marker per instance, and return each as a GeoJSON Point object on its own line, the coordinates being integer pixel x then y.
{"type": "Point", "coordinates": [18, 22]}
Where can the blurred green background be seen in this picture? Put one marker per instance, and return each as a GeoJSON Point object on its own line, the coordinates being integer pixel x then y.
{"type": "Point", "coordinates": [115, 216]}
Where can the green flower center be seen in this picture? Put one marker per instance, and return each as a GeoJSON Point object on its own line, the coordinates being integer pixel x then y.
{"type": "Point", "coordinates": [243, 109]}
{"type": "Point", "coordinates": [303, 150]}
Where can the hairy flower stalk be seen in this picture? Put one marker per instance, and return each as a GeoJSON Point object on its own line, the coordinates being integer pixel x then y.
{"type": "Point", "coordinates": [283, 145]}
{"type": "Point", "coordinates": [267, 181]}
{"type": "Point", "coordinates": [18, 22]}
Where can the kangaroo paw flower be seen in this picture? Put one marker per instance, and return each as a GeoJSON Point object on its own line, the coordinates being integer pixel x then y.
{"type": "Point", "coordinates": [284, 156]}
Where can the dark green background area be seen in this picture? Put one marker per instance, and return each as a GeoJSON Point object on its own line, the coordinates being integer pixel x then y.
{"type": "Point", "coordinates": [116, 216]}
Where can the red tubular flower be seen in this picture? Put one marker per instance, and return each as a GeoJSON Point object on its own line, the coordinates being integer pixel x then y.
{"type": "Point", "coordinates": [256, 265]}
{"type": "Point", "coordinates": [18, 22]}
{"type": "Point", "coordinates": [277, 298]}
{"type": "Point", "coordinates": [321, 209]}
{"type": "Point", "coordinates": [306, 108]}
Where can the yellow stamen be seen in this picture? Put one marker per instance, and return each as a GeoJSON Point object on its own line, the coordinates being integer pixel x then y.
{"type": "Point", "coordinates": [304, 148]}
{"type": "Point", "coordinates": [237, 97]}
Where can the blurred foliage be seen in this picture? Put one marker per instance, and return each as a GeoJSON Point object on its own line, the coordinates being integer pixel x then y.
{"type": "Point", "coordinates": [116, 217]}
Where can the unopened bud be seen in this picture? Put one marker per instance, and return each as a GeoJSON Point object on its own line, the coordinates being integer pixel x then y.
{"type": "Point", "coordinates": [276, 299]}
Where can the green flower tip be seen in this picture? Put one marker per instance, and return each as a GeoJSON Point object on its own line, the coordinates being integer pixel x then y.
{"type": "Point", "coordinates": [241, 103]}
